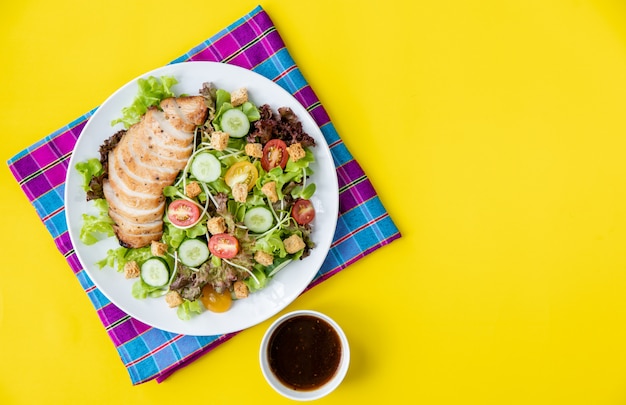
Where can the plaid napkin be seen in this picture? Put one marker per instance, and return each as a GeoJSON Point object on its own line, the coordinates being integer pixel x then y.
{"type": "Point", "coordinates": [363, 225]}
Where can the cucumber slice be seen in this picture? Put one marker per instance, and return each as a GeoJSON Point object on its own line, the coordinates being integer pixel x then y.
{"type": "Point", "coordinates": [205, 167]}
{"type": "Point", "coordinates": [193, 252]}
{"type": "Point", "coordinates": [155, 272]}
{"type": "Point", "coordinates": [235, 122]}
{"type": "Point", "coordinates": [258, 219]}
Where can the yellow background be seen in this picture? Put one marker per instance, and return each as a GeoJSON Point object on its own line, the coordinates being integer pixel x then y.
{"type": "Point", "coordinates": [495, 134]}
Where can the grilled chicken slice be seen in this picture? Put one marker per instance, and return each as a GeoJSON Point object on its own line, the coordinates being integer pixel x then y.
{"type": "Point", "coordinates": [147, 159]}
{"type": "Point", "coordinates": [182, 114]}
{"type": "Point", "coordinates": [138, 215]}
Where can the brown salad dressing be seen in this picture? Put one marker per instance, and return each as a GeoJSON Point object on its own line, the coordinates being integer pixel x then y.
{"type": "Point", "coordinates": [304, 352]}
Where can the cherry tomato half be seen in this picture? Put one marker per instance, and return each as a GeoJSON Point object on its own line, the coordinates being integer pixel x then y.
{"type": "Point", "coordinates": [241, 172]}
{"type": "Point", "coordinates": [303, 211]}
{"type": "Point", "coordinates": [214, 301]}
{"type": "Point", "coordinates": [274, 154]}
{"type": "Point", "coordinates": [224, 245]}
{"type": "Point", "coordinates": [183, 212]}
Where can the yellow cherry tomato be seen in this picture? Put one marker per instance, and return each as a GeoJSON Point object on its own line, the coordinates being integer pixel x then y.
{"type": "Point", "coordinates": [242, 172]}
{"type": "Point", "coordinates": [214, 301]}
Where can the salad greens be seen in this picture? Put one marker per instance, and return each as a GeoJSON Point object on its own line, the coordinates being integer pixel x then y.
{"type": "Point", "coordinates": [151, 92]}
{"type": "Point", "coordinates": [254, 257]}
{"type": "Point", "coordinates": [97, 227]}
{"type": "Point", "coordinates": [89, 169]}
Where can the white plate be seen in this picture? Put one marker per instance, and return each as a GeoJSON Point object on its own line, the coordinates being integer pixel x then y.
{"type": "Point", "coordinates": [286, 285]}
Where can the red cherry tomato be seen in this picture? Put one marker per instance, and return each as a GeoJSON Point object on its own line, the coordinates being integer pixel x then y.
{"type": "Point", "coordinates": [183, 212]}
{"type": "Point", "coordinates": [274, 154]}
{"type": "Point", "coordinates": [224, 245]}
{"type": "Point", "coordinates": [303, 211]}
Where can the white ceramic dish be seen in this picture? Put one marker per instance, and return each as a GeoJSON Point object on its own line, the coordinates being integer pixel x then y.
{"type": "Point", "coordinates": [286, 285]}
{"type": "Point", "coordinates": [300, 395]}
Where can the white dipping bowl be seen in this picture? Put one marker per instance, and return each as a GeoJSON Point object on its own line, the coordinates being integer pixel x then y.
{"type": "Point", "coordinates": [304, 394]}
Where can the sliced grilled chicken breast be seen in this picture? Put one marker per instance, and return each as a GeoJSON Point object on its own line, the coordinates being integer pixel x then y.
{"type": "Point", "coordinates": [145, 161]}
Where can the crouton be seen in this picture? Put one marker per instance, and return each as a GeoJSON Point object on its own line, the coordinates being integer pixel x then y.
{"type": "Point", "coordinates": [239, 96]}
{"type": "Point", "coordinates": [254, 150]}
{"type": "Point", "coordinates": [295, 151]}
{"type": "Point", "coordinates": [240, 289]}
{"type": "Point", "coordinates": [131, 269]}
{"type": "Point", "coordinates": [192, 189]}
{"type": "Point", "coordinates": [293, 244]}
{"type": "Point", "coordinates": [240, 192]}
{"type": "Point", "coordinates": [158, 248]}
{"type": "Point", "coordinates": [219, 140]}
{"type": "Point", "coordinates": [269, 189]}
{"type": "Point", "coordinates": [264, 258]}
{"type": "Point", "coordinates": [173, 299]}
{"type": "Point", "coordinates": [216, 225]}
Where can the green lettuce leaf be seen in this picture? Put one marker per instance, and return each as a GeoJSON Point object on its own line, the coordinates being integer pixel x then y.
{"type": "Point", "coordinates": [174, 236]}
{"type": "Point", "coordinates": [150, 93]}
{"type": "Point", "coordinates": [251, 111]}
{"type": "Point", "coordinates": [188, 309]}
{"type": "Point", "coordinates": [96, 227]}
{"type": "Point", "coordinates": [306, 192]}
{"type": "Point", "coordinates": [221, 97]}
{"type": "Point", "coordinates": [89, 169]}
{"type": "Point", "coordinates": [251, 282]}
{"type": "Point", "coordinates": [117, 258]}
{"type": "Point", "coordinates": [139, 255]}
{"type": "Point", "coordinates": [272, 244]}
{"type": "Point", "coordinates": [141, 290]}
{"type": "Point", "coordinates": [114, 256]}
